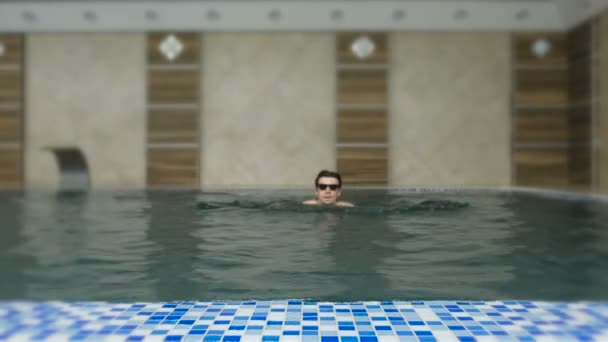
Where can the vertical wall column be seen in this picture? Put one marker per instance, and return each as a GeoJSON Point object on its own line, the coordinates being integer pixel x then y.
{"type": "Point", "coordinates": [362, 108]}
{"type": "Point", "coordinates": [173, 140]}
{"type": "Point", "coordinates": [601, 109]}
{"type": "Point", "coordinates": [540, 136]}
{"type": "Point", "coordinates": [580, 106]}
{"type": "Point", "coordinates": [11, 110]}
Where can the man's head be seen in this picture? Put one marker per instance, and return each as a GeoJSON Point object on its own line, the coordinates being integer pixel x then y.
{"type": "Point", "coordinates": [328, 185]}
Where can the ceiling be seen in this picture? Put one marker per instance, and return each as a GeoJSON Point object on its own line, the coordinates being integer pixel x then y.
{"type": "Point", "coordinates": [300, 15]}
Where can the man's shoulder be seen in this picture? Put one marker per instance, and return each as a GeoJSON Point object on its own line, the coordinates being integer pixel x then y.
{"type": "Point", "coordinates": [311, 202]}
{"type": "Point", "coordinates": [344, 204]}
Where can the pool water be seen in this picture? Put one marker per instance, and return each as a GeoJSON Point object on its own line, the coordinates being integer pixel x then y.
{"type": "Point", "coordinates": [263, 244]}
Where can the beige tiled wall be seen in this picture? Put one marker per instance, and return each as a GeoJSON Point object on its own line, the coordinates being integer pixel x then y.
{"type": "Point", "coordinates": [268, 108]}
{"type": "Point", "coordinates": [86, 90]}
{"type": "Point", "coordinates": [602, 120]}
{"type": "Point", "coordinates": [449, 98]}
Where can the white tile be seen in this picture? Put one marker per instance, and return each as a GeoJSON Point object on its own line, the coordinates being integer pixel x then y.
{"type": "Point", "coordinates": [251, 338]}
{"type": "Point", "coordinates": [290, 338]}
{"type": "Point", "coordinates": [486, 339]}
{"type": "Point", "coordinates": [388, 339]}
{"type": "Point", "coordinates": [445, 336]}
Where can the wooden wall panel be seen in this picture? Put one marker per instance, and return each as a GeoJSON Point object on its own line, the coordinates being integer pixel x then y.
{"type": "Point", "coordinates": [174, 167]}
{"type": "Point", "coordinates": [579, 42]}
{"type": "Point", "coordinates": [10, 126]}
{"type": "Point", "coordinates": [363, 166]}
{"type": "Point", "coordinates": [579, 94]}
{"type": "Point", "coordinates": [556, 57]}
{"type": "Point", "coordinates": [13, 48]}
{"type": "Point", "coordinates": [541, 167]}
{"type": "Point", "coordinates": [541, 126]}
{"type": "Point", "coordinates": [541, 87]}
{"type": "Point", "coordinates": [10, 168]}
{"type": "Point", "coordinates": [579, 81]}
{"type": "Point", "coordinates": [10, 86]}
{"type": "Point", "coordinates": [579, 163]}
{"type": "Point", "coordinates": [552, 109]}
{"type": "Point", "coordinates": [173, 126]}
{"type": "Point", "coordinates": [579, 121]}
{"type": "Point", "coordinates": [172, 86]}
{"type": "Point", "coordinates": [362, 125]}
{"type": "Point", "coordinates": [362, 86]}
{"type": "Point", "coordinates": [346, 56]}
{"type": "Point", "coordinates": [600, 91]}
{"type": "Point", "coordinates": [362, 120]}
{"type": "Point", "coordinates": [11, 111]}
{"type": "Point", "coordinates": [173, 111]}
{"type": "Point", "coordinates": [190, 55]}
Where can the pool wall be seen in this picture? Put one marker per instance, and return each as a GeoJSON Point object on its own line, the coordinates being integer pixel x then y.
{"type": "Point", "coordinates": [454, 107]}
{"type": "Point", "coordinates": [272, 109]}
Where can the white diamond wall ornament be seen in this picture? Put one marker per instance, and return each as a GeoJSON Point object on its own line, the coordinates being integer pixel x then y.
{"type": "Point", "coordinates": [1, 49]}
{"type": "Point", "coordinates": [171, 47]}
{"type": "Point", "coordinates": [541, 47]}
{"type": "Point", "coordinates": [363, 47]}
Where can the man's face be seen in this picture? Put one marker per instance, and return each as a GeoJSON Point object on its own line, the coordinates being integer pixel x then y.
{"type": "Point", "coordinates": [328, 190]}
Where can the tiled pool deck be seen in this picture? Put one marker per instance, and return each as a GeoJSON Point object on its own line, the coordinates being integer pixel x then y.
{"type": "Point", "coordinates": [294, 321]}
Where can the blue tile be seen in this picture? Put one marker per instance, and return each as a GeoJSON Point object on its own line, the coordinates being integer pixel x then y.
{"type": "Point", "coordinates": [135, 338]}
{"type": "Point", "coordinates": [212, 338]}
{"type": "Point", "coordinates": [346, 328]}
{"type": "Point", "coordinates": [498, 333]}
{"type": "Point", "coordinates": [310, 327]}
{"type": "Point", "coordinates": [474, 327]}
{"type": "Point", "coordinates": [215, 332]}
{"type": "Point", "coordinates": [415, 323]}
{"type": "Point", "coordinates": [383, 327]}
{"type": "Point", "coordinates": [329, 339]}
{"type": "Point", "coordinates": [349, 339]}
{"type": "Point", "coordinates": [197, 332]}
{"type": "Point", "coordinates": [174, 317]}
{"type": "Point", "coordinates": [427, 339]}
{"type": "Point", "coordinates": [466, 339]}
{"type": "Point", "coordinates": [368, 339]}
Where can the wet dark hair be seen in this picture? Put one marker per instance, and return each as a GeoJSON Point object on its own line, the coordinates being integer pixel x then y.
{"type": "Point", "coordinates": [331, 174]}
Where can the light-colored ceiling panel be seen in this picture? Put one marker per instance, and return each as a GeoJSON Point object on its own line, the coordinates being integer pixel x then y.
{"type": "Point", "coordinates": [300, 15]}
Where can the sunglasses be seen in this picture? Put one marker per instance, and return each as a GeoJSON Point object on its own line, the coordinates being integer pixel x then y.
{"type": "Point", "coordinates": [332, 187]}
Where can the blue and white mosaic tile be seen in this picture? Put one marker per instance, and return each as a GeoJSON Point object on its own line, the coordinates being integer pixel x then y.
{"type": "Point", "coordinates": [298, 321]}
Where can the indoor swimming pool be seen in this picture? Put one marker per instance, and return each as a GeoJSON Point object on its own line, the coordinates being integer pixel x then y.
{"type": "Point", "coordinates": [256, 265]}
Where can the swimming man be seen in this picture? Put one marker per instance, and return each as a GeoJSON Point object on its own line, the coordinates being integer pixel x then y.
{"type": "Point", "coordinates": [328, 185]}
